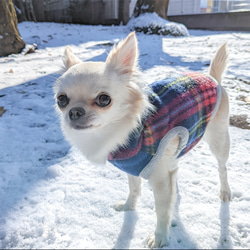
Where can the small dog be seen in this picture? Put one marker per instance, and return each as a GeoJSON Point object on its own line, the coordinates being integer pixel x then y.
{"type": "Point", "coordinates": [108, 114]}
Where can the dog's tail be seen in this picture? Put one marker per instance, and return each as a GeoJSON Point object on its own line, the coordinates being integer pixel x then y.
{"type": "Point", "coordinates": [219, 63]}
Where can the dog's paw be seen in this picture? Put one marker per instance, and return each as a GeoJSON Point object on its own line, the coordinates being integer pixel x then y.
{"type": "Point", "coordinates": [157, 241]}
{"type": "Point", "coordinates": [225, 195]}
{"type": "Point", "coordinates": [124, 206]}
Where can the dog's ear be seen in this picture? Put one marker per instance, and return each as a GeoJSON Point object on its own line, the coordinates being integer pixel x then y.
{"type": "Point", "coordinates": [123, 58]}
{"type": "Point", "coordinates": [69, 59]}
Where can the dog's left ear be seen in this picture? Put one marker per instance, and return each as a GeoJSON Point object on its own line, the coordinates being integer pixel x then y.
{"type": "Point", "coordinates": [70, 58]}
{"type": "Point", "coordinates": [123, 58]}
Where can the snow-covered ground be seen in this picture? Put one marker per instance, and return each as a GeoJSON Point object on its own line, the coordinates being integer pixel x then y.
{"type": "Point", "coordinates": [51, 197]}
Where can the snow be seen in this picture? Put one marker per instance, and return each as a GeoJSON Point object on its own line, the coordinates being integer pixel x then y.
{"type": "Point", "coordinates": [51, 197]}
{"type": "Point", "coordinates": [152, 23]}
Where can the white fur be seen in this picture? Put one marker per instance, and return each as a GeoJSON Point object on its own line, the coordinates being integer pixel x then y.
{"type": "Point", "coordinates": [110, 127]}
{"type": "Point", "coordinates": [219, 63]}
{"type": "Point", "coordinates": [117, 76]}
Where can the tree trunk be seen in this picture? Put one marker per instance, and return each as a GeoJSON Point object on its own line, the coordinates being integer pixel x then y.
{"type": "Point", "coordinates": [161, 8]}
{"type": "Point", "coordinates": [124, 11]}
{"type": "Point", "coordinates": [158, 6]}
{"type": "Point", "coordinates": [10, 39]}
{"type": "Point", "coordinates": [30, 4]}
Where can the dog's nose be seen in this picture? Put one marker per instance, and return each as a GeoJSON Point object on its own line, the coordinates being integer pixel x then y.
{"type": "Point", "coordinates": [76, 113]}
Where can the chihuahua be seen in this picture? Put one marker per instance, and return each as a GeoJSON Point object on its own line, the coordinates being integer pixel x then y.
{"type": "Point", "coordinates": [109, 114]}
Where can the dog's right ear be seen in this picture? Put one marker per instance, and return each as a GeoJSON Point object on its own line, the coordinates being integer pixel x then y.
{"type": "Point", "coordinates": [69, 58]}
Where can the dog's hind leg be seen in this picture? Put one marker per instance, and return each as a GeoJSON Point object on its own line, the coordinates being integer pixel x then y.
{"type": "Point", "coordinates": [134, 192]}
{"type": "Point", "coordinates": [218, 139]}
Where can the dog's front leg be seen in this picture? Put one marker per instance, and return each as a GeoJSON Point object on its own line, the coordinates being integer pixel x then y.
{"type": "Point", "coordinates": [163, 184]}
{"type": "Point", "coordinates": [134, 192]}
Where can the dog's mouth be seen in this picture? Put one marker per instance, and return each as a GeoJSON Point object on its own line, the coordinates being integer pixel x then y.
{"type": "Point", "coordinates": [83, 127]}
{"type": "Point", "coordinates": [76, 121]}
{"type": "Point", "coordinates": [80, 127]}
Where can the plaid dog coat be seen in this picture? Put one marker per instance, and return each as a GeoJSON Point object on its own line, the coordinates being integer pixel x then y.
{"type": "Point", "coordinates": [184, 105]}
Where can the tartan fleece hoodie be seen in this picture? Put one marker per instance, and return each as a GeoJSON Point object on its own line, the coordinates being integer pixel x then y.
{"type": "Point", "coordinates": [184, 105]}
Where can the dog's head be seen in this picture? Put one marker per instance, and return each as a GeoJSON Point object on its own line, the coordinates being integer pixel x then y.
{"type": "Point", "coordinates": [92, 95]}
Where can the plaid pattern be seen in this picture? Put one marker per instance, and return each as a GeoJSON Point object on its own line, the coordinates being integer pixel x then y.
{"type": "Point", "coordinates": [187, 100]}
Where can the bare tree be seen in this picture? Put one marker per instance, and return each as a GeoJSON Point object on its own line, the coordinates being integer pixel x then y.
{"type": "Point", "coordinates": [10, 39]}
{"type": "Point", "coordinates": [158, 6]}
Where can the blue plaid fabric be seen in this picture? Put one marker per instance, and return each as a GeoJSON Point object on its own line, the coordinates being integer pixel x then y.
{"type": "Point", "coordinates": [184, 104]}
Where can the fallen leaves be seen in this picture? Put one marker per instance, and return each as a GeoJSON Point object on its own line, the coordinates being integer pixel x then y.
{"type": "Point", "coordinates": [2, 111]}
{"type": "Point", "coordinates": [239, 121]}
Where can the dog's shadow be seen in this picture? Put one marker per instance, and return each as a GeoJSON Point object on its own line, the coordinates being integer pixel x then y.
{"type": "Point", "coordinates": [178, 234]}
{"type": "Point", "coordinates": [225, 241]}
{"type": "Point", "coordinates": [179, 237]}
{"type": "Point", "coordinates": [127, 230]}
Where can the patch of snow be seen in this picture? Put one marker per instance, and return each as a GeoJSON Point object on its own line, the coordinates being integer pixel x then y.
{"type": "Point", "coordinates": [52, 197]}
{"type": "Point", "coordinates": [152, 23]}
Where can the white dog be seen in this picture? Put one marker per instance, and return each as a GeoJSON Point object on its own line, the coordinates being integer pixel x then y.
{"type": "Point", "coordinates": [109, 114]}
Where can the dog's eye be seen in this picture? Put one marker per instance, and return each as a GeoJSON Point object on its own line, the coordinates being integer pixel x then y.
{"type": "Point", "coordinates": [103, 100]}
{"type": "Point", "coordinates": [62, 101]}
